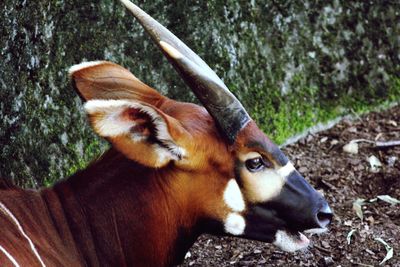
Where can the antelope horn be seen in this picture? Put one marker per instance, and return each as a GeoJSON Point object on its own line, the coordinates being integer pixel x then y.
{"type": "Point", "coordinates": [223, 106]}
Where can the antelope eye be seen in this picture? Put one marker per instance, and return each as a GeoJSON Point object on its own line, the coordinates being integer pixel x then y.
{"type": "Point", "coordinates": [255, 165]}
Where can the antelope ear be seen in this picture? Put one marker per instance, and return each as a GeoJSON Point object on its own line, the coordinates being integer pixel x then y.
{"type": "Point", "coordinates": [107, 80]}
{"type": "Point", "coordinates": [140, 131]}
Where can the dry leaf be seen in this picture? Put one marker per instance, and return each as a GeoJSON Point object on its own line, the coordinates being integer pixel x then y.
{"type": "Point", "coordinates": [389, 199]}
{"type": "Point", "coordinates": [349, 235]}
{"type": "Point", "coordinates": [389, 250]}
{"type": "Point", "coordinates": [391, 161]}
{"type": "Point", "coordinates": [392, 122]}
{"type": "Point", "coordinates": [357, 207]}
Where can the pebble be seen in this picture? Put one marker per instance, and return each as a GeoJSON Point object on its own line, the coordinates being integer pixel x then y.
{"type": "Point", "coordinates": [328, 261]}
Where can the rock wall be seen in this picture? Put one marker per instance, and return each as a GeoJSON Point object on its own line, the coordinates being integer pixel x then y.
{"type": "Point", "coordinates": [268, 52]}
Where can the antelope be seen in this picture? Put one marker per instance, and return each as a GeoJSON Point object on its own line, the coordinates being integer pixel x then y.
{"type": "Point", "coordinates": [174, 171]}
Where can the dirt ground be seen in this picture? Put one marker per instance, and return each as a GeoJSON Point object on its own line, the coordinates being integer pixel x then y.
{"type": "Point", "coordinates": [343, 178]}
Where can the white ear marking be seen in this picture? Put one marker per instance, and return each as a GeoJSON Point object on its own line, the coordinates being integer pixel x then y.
{"type": "Point", "coordinates": [111, 123]}
{"type": "Point", "coordinates": [84, 65]}
{"type": "Point", "coordinates": [235, 224]}
{"type": "Point", "coordinates": [100, 105]}
{"type": "Point", "coordinates": [233, 196]}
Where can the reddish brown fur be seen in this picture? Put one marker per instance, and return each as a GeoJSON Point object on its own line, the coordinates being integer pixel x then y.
{"type": "Point", "coordinates": [111, 81]}
{"type": "Point", "coordinates": [114, 213]}
{"type": "Point", "coordinates": [118, 212]}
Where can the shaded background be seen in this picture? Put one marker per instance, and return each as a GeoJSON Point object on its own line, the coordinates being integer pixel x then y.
{"type": "Point", "coordinates": [292, 65]}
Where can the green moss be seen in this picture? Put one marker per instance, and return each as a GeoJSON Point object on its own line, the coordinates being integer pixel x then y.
{"type": "Point", "coordinates": [300, 111]}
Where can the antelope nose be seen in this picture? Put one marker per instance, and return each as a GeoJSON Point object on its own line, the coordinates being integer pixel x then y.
{"type": "Point", "coordinates": [324, 216]}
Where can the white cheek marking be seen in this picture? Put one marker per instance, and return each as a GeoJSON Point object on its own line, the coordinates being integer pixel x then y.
{"type": "Point", "coordinates": [11, 258]}
{"type": "Point", "coordinates": [235, 224]}
{"type": "Point", "coordinates": [261, 187]}
{"type": "Point", "coordinates": [7, 212]}
{"type": "Point", "coordinates": [286, 170]}
{"type": "Point", "coordinates": [233, 196]}
{"type": "Point", "coordinates": [265, 185]}
{"type": "Point", "coordinates": [287, 243]}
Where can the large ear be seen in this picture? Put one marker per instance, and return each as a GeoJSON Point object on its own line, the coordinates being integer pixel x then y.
{"type": "Point", "coordinates": [140, 131]}
{"type": "Point", "coordinates": [107, 80]}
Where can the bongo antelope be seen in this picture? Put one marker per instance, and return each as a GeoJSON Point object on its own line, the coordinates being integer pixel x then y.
{"type": "Point", "coordinates": [175, 170]}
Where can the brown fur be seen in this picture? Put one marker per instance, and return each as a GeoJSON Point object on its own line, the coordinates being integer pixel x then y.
{"type": "Point", "coordinates": [119, 212]}
{"type": "Point", "coordinates": [115, 213]}
{"type": "Point", "coordinates": [134, 207]}
{"type": "Point", "coordinates": [6, 184]}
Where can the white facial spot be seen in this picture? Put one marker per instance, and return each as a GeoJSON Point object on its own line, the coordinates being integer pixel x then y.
{"type": "Point", "coordinates": [290, 243]}
{"type": "Point", "coordinates": [286, 170]}
{"type": "Point", "coordinates": [235, 224]}
{"type": "Point", "coordinates": [264, 185]}
{"type": "Point", "coordinates": [233, 196]}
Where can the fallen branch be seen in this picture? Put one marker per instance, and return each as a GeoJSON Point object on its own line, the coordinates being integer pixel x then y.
{"type": "Point", "coordinates": [380, 144]}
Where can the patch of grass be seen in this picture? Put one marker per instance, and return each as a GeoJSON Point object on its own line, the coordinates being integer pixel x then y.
{"type": "Point", "coordinates": [301, 110]}
{"type": "Point", "coordinates": [92, 151]}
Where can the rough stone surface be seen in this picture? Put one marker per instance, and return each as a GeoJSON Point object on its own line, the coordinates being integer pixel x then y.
{"type": "Point", "coordinates": [264, 50]}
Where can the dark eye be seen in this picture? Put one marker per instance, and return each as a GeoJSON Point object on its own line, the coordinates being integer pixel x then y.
{"type": "Point", "coordinates": [255, 165]}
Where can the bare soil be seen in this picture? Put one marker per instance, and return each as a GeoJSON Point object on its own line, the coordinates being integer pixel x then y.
{"type": "Point", "coordinates": [343, 178]}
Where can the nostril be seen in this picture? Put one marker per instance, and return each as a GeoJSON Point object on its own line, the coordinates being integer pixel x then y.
{"type": "Point", "coordinates": [324, 216]}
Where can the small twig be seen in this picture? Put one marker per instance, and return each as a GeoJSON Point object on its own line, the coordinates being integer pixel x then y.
{"type": "Point", "coordinates": [378, 144]}
{"type": "Point", "coordinates": [362, 140]}
{"type": "Point", "coordinates": [393, 129]}
{"type": "Point", "coordinates": [387, 144]}
{"type": "Point", "coordinates": [362, 264]}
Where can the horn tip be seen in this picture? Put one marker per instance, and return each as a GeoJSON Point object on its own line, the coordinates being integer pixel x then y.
{"type": "Point", "coordinates": [170, 50]}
